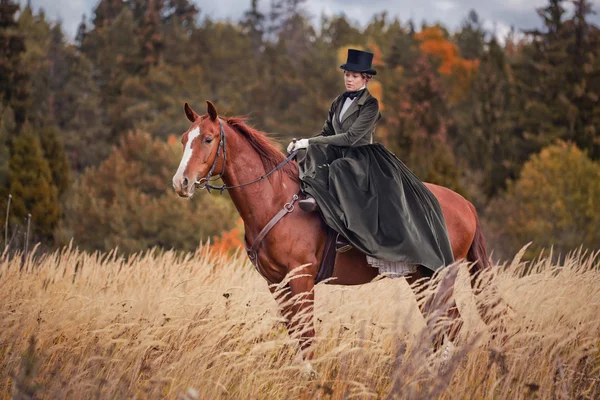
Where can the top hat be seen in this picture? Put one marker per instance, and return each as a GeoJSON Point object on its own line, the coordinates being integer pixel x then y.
{"type": "Point", "coordinates": [359, 61]}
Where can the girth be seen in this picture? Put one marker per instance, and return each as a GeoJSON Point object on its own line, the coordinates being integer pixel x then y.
{"type": "Point", "coordinates": [327, 262]}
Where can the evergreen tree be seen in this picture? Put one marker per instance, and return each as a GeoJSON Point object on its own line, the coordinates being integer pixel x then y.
{"type": "Point", "coordinates": [585, 76]}
{"type": "Point", "coordinates": [7, 131]}
{"type": "Point", "coordinates": [182, 13]}
{"type": "Point", "coordinates": [253, 25]}
{"type": "Point", "coordinates": [471, 37]}
{"type": "Point", "coordinates": [486, 137]}
{"type": "Point", "coordinates": [31, 185]}
{"type": "Point", "coordinates": [14, 83]}
{"type": "Point", "coordinates": [82, 31]}
{"type": "Point", "coordinates": [35, 63]}
{"type": "Point", "coordinates": [420, 132]}
{"type": "Point", "coordinates": [54, 153]}
{"type": "Point", "coordinates": [540, 84]}
{"type": "Point", "coordinates": [339, 32]}
{"type": "Point", "coordinates": [151, 40]}
{"type": "Point", "coordinates": [106, 12]}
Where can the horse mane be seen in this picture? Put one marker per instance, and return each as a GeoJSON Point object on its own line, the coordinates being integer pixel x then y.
{"type": "Point", "coordinates": [269, 155]}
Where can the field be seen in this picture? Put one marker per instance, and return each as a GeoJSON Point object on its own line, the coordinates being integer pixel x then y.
{"type": "Point", "coordinates": [76, 325]}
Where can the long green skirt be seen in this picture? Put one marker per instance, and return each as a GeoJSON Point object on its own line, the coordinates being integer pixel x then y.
{"type": "Point", "coordinates": [372, 199]}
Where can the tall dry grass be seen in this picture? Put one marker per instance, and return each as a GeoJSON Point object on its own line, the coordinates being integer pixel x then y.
{"type": "Point", "coordinates": [75, 325]}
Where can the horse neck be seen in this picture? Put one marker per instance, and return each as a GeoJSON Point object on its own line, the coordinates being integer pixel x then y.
{"type": "Point", "coordinates": [256, 203]}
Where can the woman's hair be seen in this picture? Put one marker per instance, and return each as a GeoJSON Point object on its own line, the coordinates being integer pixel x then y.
{"type": "Point", "coordinates": [366, 76]}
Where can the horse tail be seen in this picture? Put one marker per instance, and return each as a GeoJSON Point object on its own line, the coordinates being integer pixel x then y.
{"type": "Point", "coordinates": [477, 253]}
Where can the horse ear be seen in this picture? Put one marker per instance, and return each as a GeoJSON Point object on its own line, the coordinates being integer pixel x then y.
{"type": "Point", "coordinates": [189, 113]}
{"type": "Point", "coordinates": [211, 110]}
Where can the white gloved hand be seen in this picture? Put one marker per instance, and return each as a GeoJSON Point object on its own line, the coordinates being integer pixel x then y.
{"type": "Point", "coordinates": [300, 144]}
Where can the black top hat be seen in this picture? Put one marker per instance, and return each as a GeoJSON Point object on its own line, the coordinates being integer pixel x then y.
{"type": "Point", "coordinates": [359, 61]}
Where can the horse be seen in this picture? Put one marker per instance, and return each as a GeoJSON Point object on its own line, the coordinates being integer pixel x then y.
{"type": "Point", "coordinates": [263, 183]}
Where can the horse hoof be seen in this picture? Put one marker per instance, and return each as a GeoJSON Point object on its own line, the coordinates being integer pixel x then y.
{"type": "Point", "coordinates": [445, 356]}
{"type": "Point", "coordinates": [307, 371]}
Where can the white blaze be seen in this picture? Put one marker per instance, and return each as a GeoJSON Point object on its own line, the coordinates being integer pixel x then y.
{"type": "Point", "coordinates": [187, 155]}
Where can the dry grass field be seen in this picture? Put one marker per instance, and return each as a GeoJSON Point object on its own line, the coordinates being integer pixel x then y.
{"type": "Point", "coordinates": [82, 326]}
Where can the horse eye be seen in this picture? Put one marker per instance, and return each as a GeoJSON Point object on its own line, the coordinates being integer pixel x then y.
{"type": "Point", "coordinates": [208, 140]}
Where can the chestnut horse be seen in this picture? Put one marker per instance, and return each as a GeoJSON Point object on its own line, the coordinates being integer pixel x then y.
{"type": "Point", "coordinates": [242, 157]}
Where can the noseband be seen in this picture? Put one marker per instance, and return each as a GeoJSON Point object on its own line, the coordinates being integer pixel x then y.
{"type": "Point", "coordinates": [204, 183]}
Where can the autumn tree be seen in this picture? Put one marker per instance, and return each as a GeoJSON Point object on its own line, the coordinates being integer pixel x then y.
{"type": "Point", "coordinates": [554, 203]}
{"type": "Point", "coordinates": [127, 201]}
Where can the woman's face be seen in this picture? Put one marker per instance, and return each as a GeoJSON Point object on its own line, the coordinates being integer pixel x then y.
{"type": "Point", "coordinates": [354, 80]}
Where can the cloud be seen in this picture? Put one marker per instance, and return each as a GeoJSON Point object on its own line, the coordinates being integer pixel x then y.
{"type": "Point", "coordinates": [69, 12]}
{"type": "Point", "coordinates": [496, 14]}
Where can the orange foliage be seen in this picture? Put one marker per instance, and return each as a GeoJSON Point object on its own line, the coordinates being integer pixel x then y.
{"type": "Point", "coordinates": [377, 54]}
{"type": "Point", "coordinates": [230, 241]}
{"type": "Point", "coordinates": [434, 43]}
{"type": "Point", "coordinates": [173, 140]}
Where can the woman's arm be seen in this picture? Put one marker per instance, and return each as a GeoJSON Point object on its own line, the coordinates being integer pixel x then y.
{"type": "Point", "coordinates": [362, 126]}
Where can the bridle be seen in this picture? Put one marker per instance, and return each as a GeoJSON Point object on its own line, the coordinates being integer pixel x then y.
{"type": "Point", "coordinates": [204, 183]}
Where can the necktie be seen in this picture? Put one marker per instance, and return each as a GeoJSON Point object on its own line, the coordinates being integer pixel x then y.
{"type": "Point", "coordinates": [352, 95]}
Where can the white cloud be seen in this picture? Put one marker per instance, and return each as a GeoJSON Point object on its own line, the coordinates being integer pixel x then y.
{"type": "Point", "coordinates": [69, 12]}
{"type": "Point", "coordinates": [500, 14]}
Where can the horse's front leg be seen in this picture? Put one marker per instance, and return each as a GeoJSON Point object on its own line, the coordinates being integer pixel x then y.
{"type": "Point", "coordinates": [296, 302]}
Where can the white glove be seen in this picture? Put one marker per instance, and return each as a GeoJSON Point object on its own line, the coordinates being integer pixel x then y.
{"type": "Point", "coordinates": [300, 144]}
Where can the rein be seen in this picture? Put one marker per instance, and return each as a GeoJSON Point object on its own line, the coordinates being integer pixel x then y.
{"type": "Point", "coordinates": [204, 183]}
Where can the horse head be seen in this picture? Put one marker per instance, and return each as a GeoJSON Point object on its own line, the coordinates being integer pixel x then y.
{"type": "Point", "coordinates": [201, 145]}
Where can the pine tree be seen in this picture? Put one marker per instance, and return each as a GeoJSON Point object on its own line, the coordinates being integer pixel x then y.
{"type": "Point", "coordinates": [182, 13]}
{"type": "Point", "coordinates": [487, 139]}
{"type": "Point", "coordinates": [585, 75]}
{"type": "Point", "coordinates": [471, 37]}
{"type": "Point", "coordinates": [31, 185]}
{"type": "Point", "coordinates": [151, 40]}
{"type": "Point", "coordinates": [106, 12]}
{"type": "Point", "coordinates": [14, 84]}
{"type": "Point", "coordinates": [7, 128]}
{"type": "Point", "coordinates": [420, 132]}
{"type": "Point", "coordinates": [54, 153]}
{"type": "Point", "coordinates": [540, 80]}
{"type": "Point", "coordinates": [253, 24]}
{"type": "Point", "coordinates": [82, 31]}
{"type": "Point", "coordinates": [555, 80]}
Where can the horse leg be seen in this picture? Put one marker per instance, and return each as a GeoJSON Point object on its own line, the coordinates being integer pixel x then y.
{"type": "Point", "coordinates": [296, 303]}
{"type": "Point", "coordinates": [437, 305]}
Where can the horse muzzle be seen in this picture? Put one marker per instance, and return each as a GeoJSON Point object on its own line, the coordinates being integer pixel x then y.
{"type": "Point", "coordinates": [183, 186]}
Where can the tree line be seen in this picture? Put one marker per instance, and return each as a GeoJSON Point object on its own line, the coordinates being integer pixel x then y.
{"type": "Point", "coordinates": [89, 128]}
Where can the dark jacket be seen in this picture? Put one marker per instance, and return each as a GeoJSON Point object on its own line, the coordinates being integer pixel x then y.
{"type": "Point", "coordinates": [357, 126]}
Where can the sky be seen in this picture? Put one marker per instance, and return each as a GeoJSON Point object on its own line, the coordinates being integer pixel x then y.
{"type": "Point", "coordinates": [497, 15]}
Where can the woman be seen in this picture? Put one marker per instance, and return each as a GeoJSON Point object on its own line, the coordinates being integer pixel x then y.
{"type": "Point", "coordinates": [365, 192]}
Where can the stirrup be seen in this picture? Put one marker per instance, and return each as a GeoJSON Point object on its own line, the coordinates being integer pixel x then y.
{"type": "Point", "coordinates": [341, 244]}
{"type": "Point", "coordinates": [308, 204]}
